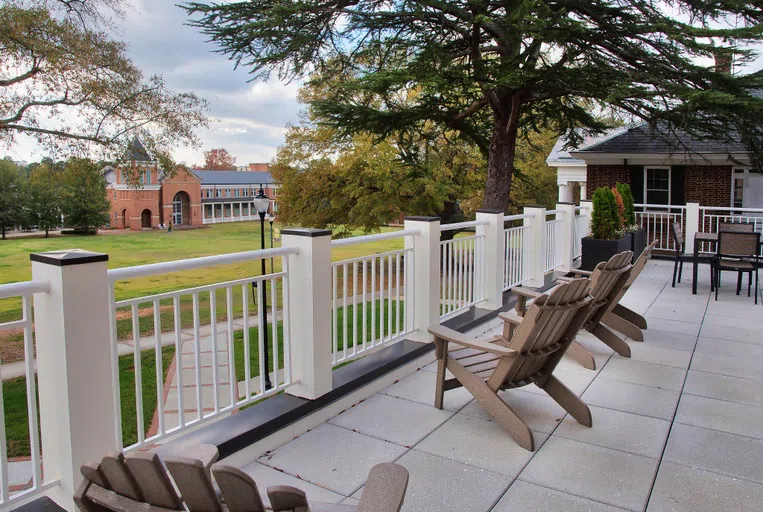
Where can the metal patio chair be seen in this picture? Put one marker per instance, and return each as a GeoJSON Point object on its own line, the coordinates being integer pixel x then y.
{"type": "Point", "coordinates": [738, 252]}
{"type": "Point", "coordinates": [680, 256]}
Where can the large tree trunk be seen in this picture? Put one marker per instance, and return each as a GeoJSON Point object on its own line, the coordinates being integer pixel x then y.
{"type": "Point", "coordinates": [500, 166]}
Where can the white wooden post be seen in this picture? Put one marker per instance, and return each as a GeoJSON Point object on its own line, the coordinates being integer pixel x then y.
{"type": "Point", "coordinates": [494, 255]}
{"type": "Point", "coordinates": [586, 208]}
{"type": "Point", "coordinates": [535, 251]}
{"type": "Point", "coordinates": [309, 286]}
{"type": "Point", "coordinates": [74, 366]}
{"type": "Point", "coordinates": [568, 234]}
{"type": "Point", "coordinates": [692, 225]}
{"type": "Point", "coordinates": [424, 304]}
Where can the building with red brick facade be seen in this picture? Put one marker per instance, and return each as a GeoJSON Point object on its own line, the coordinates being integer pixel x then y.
{"type": "Point", "coordinates": [144, 197]}
{"type": "Point", "coordinates": [661, 169]}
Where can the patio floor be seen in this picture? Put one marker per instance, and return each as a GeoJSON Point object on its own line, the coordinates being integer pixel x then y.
{"type": "Point", "coordinates": [678, 427]}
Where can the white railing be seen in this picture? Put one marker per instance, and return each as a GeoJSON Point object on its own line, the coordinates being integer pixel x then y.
{"type": "Point", "coordinates": [461, 270]}
{"type": "Point", "coordinates": [554, 241]}
{"type": "Point", "coordinates": [229, 350]}
{"type": "Point", "coordinates": [12, 494]}
{"type": "Point", "coordinates": [581, 228]}
{"type": "Point", "coordinates": [372, 300]}
{"type": "Point", "coordinates": [656, 219]}
{"type": "Point", "coordinates": [711, 216]}
{"type": "Point", "coordinates": [516, 240]}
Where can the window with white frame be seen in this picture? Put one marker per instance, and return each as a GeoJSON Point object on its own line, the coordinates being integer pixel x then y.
{"type": "Point", "coordinates": [217, 192]}
{"type": "Point", "coordinates": [737, 187]}
{"type": "Point", "coordinates": [235, 192]}
{"type": "Point", "coordinates": [227, 192]}
{"type": "Point", "coordinates": [657, 185]}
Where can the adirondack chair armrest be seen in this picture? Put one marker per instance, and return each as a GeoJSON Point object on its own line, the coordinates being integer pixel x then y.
{"type": "Point", "coordinates": [582, 273]}
{"type": "Point", "coordinates": [523, 294]}
{"type": "Point", "coordinates": [516, 320]}
{"type": "Point", "coordinates": [385, 489]}
{"type": "Point", "coordinates": [456, 337]}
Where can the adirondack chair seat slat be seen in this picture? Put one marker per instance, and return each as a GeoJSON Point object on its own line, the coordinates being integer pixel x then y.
{"type": "Point", "coordinates": [529, 356]}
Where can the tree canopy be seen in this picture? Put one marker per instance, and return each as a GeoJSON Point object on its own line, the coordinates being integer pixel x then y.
{"type": "Point", "coordinates": [219, 160]}
{"type": "Point", "coordinates": [84, 202]}
{"type": "Point", "coordinates": [73, 89]}
{"type": "Point", "coordinates": [495, 71]}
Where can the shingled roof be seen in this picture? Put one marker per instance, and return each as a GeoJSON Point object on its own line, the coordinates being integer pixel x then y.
{"type": "Point", "coordinates": [645, 139]}
{"type": "Point", "coordinates": [137, 152]}
{"type": "Point", "coordinates": [233, 177]}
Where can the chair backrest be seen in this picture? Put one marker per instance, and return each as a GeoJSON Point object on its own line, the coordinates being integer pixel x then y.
{"type": "Point", "coordinates": [238, 489]}
{"type": "Point", "coordinates": [678, 236]}
{"type": "Point", "coordinates": [194, 484]}
{"type": "Point", "coordinates": [743, 227]}
{"type": "Point", "coordinates": [152, 480]}
{"type": "Point", "coordinates": [546, 331]}
{"type": "Point", "coordinates": [607, 280]}
{"type": "Point", "coordinates": [737, 243]}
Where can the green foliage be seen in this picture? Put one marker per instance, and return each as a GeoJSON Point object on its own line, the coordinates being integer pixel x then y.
{"type": "Point", "coordinates": [627, 195]}
{"type": "Point", "coordinates": [492, 72]}
{"type": "Point", "coordinates": [44, 196]}
{"type": "Point", "coordinates": [11, 196]}
{"type": "Point", "coordinates": [605, 219]}
{"type": "Point", "coordinates": [84, 195]}
{"type": "Point", "coordinates": [73, 88]}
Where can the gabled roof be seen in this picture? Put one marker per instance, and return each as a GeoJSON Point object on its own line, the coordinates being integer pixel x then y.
{"type": "Point", "coordinates": [559, 155]}
{"type": "Point", "coordinates": [645, 139]}
{"type": "Point", "coordinates": [233, 177]}
{"type": "Point", "coordinates": [137, 152]}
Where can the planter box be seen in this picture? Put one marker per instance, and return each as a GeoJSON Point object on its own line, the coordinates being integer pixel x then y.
{"type": "Point", "coordinates": [595, 250]}
{"type": "Point", "coordinates": [638, 243]}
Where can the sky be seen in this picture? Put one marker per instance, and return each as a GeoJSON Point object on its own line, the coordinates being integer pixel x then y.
{"type": "Point", "coordinates": [248, 119]}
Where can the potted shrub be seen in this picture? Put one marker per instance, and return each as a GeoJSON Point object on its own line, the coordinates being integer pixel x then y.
{"type": "Point", "coordinates": [607, 236]}
{"type": "Point", "coordinates": [639, 233]}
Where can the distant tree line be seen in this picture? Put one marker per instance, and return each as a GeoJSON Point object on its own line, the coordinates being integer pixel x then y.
{"type": "Point", "coordinates": [48, 195]}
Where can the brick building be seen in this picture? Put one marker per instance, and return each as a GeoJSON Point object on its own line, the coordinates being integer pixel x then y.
{"type": "Point", "coordinates": [143, 197]}
{"type": "Point", "coordinates": [661, 169]}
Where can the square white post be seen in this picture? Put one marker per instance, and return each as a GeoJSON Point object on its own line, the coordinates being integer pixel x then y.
{"type": "Point", "coordinates": [309, 286]}
{"type": "Point", "coordinates": [568, 233]}
{"type": "Point", "coordinates": [490, 266]}
{"type": "Point", "coordinates": [74, 366]}
{"type": "Point", "coordinates": [535, 252]}
{"type": "Point", "coordinates": [424, 302]}
{"type": "Point", "coordinates": [692, 225]}
{"type": "Point", "coordinates": [586, 208]}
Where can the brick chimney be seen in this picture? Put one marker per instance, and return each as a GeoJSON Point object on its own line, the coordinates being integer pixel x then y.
{"type": "Point", "coordinates": [259, 167]}
{"type": "Point", "coordinates": [723, 61]}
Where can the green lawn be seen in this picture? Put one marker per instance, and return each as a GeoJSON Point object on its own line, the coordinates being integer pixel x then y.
{"type": "Point", "coordinates": [17, 419]}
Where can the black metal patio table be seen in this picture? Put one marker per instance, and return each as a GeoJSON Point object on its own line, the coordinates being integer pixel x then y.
{"type": "Point", "coordinates": [699, 236]}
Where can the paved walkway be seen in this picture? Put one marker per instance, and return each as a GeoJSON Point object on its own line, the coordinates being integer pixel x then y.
{"type": "Point", "coordinates": [677, 427]}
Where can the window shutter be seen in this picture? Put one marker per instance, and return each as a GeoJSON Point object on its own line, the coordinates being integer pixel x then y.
{"type": "Point", "coordinates": [677, 185]}
{"type": "Point", "coordinates": [637, 184]}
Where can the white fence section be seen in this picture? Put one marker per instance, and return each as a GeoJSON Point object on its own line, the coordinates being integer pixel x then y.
{"type": "Point", "coordinates": [461, 270]}
{"type": "Point", "coordinates": [517, 240]}
{"type": "Point", "coordinates": [371, 306]}
{"type": "Point", "coordinates": [554, 241]}
{"type": "Point", "coordinates": [656, 220]}
{"type": "Point", "coordinates": [25, 291]}
{"type": "Point", "coordinates": [581, 228]}
{"type": "Point", "coordinates": [710, 217]}
{"type": "Point", "coordinates": [238, 367]}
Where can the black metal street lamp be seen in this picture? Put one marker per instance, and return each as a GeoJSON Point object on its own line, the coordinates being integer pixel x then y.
{"type": "Point", "coordinates": [261, 204]}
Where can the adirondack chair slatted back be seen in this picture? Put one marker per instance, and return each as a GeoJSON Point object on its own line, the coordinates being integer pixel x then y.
{"type": "Point", "coordinates": [238, 489]}
{"type": "Point", "coordinates": [118, 476]}
{"type": "Point", "coordinates": [639, 265]}
{"type": "Point", "coordinates": [152, 480]}
{"type": "Point", "coordinates": [545, 333]}
{"type": "Point", "coordinates": [607, 280]}
{"type": "Point", "coordinates": [194, 484]}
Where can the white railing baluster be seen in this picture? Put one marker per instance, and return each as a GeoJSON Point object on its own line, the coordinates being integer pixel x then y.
{"type": "Point", "coordinates": [197, 355]}
{"type": "Point", "coordinates": [274, 331]}
{"type": "Point", "coordinates": [4, 469]}
{"type": "Point", "coordinates": [247, 347]}
{"type": "Point", "coordinates": [137, 372]}
{"type": "Point", "coordinates": [179, 360]}
{"type": "Point", "coordinates": [344, 311]}
{"type": "Point", "coordinates": [365, 303]}
{"type": "Point", "coordinates": [398, 271]}
{"type": "Point", "coordinates": [215, 348]}
{"type": "Point", "coordinates": [286, 324]}
{"type": "Point", "coordinates": [31, 392]}
{"type": "Point", "coordinates": [232, 383]}
{"type": "Point", "coordinates": [159, 364]}
{"type": "Point", "coordinates": [262, 325]}
{"type": "Point", "coordinates": [335, 311]}
{"type": "Point", "coordinates": [114, 345]}
{"type": "Point", "coordinates": [354, 307]}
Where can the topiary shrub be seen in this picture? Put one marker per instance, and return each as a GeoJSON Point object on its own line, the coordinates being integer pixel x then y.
{"type": "Point", "coordinates": [620, 208]}
{"type": "Point", "coordinates": [605, 219]}
{"type": "Point", "coordinates": [630, 210]}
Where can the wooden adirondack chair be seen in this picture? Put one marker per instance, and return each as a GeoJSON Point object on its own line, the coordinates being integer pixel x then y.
{"type": "Point", "coordinates": [621, 318]}
{"type": "Point", "coordinates": [486, 366]}
{"type": "Point", "coordinates": [607, 280]}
